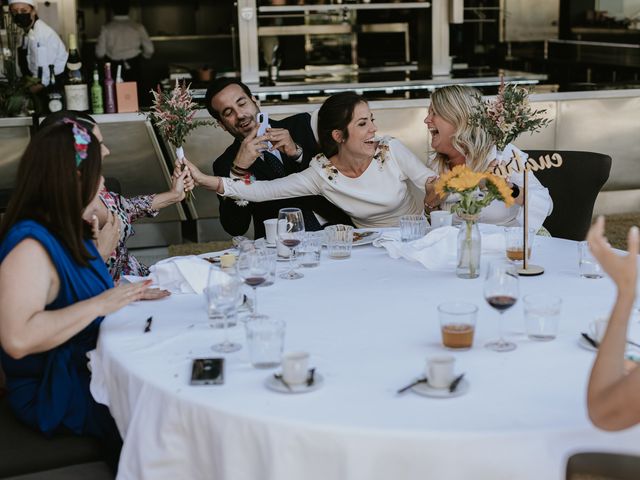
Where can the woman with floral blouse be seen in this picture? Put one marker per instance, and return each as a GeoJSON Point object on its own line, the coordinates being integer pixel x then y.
{"type": "Point", "coordinates": [114, 214]}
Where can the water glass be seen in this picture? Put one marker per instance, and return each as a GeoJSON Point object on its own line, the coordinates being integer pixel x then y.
{"type": "Point", "coordinates": [542, 315]}
{"type": "Point", "coordinates": [310, 249]}
{"type": "Point", "coordinates": [339, 240]}
{"type": "Point", "coordinates": [588, 266]}
{"type": "Point", "coordinates": [272, 260]}
{"type": "Point", "coordinates": [412, 227]}
{"type": "Point", "coordinates": [265, 340]}
{"type": "Point", "coordinates": [457, 324]}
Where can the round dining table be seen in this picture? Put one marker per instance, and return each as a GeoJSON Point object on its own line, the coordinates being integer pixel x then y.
{"type": "Point", "coordinates": [369, 323]}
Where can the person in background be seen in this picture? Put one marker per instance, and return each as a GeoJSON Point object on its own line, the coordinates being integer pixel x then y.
{"type": "Point", "coordinates": [457, 142]}
{"type": "Point", "coordinates": [365, 175]}
{"type": "Point", "coordinates": [40, 45]}
{"type": "Point", "coordinates": [55, 289]}
{"type": "Point", "coordinates": [231, 103]}
{"type": "Point", "coordinates": [116, 213]}
{"type": "Point", "coordinates": [613, 396]}
{"type": "Point", "coordinates": [124, 42]}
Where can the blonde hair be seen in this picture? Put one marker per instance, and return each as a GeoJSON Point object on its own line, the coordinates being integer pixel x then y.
{"type": "Point", "coordinates": [455, 104]}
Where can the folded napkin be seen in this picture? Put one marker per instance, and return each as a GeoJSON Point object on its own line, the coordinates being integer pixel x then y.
{"type": "Point", "coordinates": [181, 274]}
{"type": "Point", "coordinates": [437, 250]}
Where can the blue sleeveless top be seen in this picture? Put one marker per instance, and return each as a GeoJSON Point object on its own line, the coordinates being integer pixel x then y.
{"type": "Point", "coordinates": [50, 390]}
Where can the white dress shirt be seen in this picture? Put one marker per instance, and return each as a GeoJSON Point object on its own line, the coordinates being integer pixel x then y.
{"type": "Point", "coordinates": [44, 48]}
{"type": "Point", "coordinates": [377, 198]}
{"type": "Point", "coordinates": [123, 39]}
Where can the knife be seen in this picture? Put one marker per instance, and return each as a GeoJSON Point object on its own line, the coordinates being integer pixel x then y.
{"type": "Point", "coordinates": [590, 340]}
{"type": "Point", "coordinates": [455, 383]}
{"type": "Point", "coordinates": [413, 384]}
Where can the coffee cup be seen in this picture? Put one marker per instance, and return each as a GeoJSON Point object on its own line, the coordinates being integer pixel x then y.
{"type": "Point", "coordinates": [441, 218]}
{"type": "Point", "coordinates": [597, 328]}
{"type": "Point", "coordinates": [295, 367]}
{"type": "Point", "coordinates": [270, 228]}
{"type": "Point", "coordinates": [440, 372]}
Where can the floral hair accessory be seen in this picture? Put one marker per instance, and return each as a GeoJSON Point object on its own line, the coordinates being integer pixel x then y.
{"type": "Point", "coordinates": [81, 140]}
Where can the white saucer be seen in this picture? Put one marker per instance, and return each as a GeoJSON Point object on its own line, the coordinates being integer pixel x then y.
{"type": "Point", "coordinates": [428, 391]}
{"type": "Point", "coordinates": [272, 383]}
{"type": "Point", "coordinates": [582, 342]}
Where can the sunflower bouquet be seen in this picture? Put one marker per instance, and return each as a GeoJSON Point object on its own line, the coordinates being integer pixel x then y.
{"type": "Point", "coordinates": [476, 190]}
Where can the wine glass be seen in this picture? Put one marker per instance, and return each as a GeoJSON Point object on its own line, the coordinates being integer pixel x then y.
{"type": "Point", "coordinates": [290, 234]}
{"type": "Point", "coordinates": [253, 267]}
{"type": "Point", "coordinates": [501, 292]}
{"type": "Point", "coordinates": [223, 294]}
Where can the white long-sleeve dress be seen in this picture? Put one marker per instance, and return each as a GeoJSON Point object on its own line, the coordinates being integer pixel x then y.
{"type": "Point", "coordinates": [377, 198]}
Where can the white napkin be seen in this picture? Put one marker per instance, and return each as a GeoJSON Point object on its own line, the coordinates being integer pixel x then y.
{"type": "Point", "coordinates": [437, 250]}
{"type": "Point", "coordinates": [181, 274]}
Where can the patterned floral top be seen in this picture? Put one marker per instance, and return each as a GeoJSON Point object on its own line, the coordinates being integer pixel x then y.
{"type": "Point", "coordinates": [127, 210]}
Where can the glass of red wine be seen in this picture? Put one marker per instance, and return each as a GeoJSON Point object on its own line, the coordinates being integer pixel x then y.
{"type": "Point", "coordinates": [501, 292]}
{"type": "Point", "coordinates": [253, 267]}
{"type": "Point", "coordinates": [290, 234]}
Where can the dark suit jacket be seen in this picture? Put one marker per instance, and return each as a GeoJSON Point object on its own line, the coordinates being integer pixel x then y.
{"type": "Point", "coordinates": [235, 219]}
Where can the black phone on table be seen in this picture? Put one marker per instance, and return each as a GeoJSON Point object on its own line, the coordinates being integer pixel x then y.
{"type": "Point", "coordinates": [207, 371]}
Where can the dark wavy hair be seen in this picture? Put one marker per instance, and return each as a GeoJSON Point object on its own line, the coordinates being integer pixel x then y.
{"type": "Point", "coordinates": [53, 191]}
{"type": "Point", "coordinates": [216, 87]}
{"type": "Point", "coordinates": [335, 114]}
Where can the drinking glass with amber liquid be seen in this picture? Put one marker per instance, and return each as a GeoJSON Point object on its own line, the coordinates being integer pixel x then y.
{"type": "Point", "coordinates": [514, 239]}
{"type": "Point", "coordinates": [457, 324]}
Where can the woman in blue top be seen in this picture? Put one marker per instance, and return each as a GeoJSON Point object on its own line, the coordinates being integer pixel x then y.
{"type": "Point", "coordinates": [54, 287]}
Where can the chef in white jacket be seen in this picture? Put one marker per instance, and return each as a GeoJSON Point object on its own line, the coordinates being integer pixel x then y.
{"type": "Point", "coordinates": [40, 46]}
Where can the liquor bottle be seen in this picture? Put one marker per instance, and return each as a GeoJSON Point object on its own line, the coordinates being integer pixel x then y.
{"type": "Point", "coordinates": [97, 105]}
{"type": "Point", "coordinates": [109, 90]}
{"type": "Point", "coordinates": [54, 92]}
{"type": "Point", "coordinates": [76, 90]}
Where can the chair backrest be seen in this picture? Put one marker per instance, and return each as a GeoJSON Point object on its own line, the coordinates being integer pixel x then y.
{"type": "Point", "coordinates": [609, 466]}
{"type": "Point", "coordinates": [573, 188]}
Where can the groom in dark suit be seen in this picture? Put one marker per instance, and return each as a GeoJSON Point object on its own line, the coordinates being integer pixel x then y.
{"type": "Point", "coordinates": [231, 103]}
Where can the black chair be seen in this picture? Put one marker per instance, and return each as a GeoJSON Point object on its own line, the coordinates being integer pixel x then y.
{"type": "Point", "coordinates": [603, 466]}
{"type": "Point", "coordinates": [25, 451]}
{"type": "Point", "coordinates": [573, 188]}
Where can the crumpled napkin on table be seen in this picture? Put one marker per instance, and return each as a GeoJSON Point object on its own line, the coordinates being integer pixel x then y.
{"type": "Point", "coordinates": [437, 250]}
{"type": "Point", "coordinates": [187, 274]}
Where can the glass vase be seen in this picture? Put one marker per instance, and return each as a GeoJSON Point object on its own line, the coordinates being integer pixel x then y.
{"type": "Point", "coordinates": [469, 247]}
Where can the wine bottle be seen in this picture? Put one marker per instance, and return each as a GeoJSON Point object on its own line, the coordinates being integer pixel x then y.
{"type": "Point", "coordinates": [54, 92]}
{"type": "Point", "coordinates": [76, 90]}
{"type": "Point", "coordinates": [109, 90]}
{"type": "Point", "coordinates": [97, 105]}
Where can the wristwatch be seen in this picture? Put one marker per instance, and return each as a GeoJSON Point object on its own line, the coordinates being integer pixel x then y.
{"type": "Point", "coordinates": [515, 190]}
{"type": "Point", "coordinates": [298, 153]}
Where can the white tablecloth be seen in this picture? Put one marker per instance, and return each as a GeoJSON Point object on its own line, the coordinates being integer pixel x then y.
{"type": "Point", "coordinates": [369, 323]}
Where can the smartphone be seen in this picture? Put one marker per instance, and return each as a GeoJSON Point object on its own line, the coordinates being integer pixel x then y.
{"type": "Point", "coordinates": [263, 121]}
{"type": "Point", "coordinates": [207, 371]}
